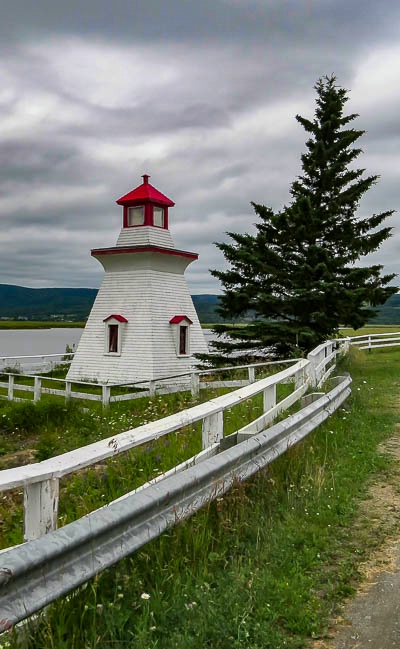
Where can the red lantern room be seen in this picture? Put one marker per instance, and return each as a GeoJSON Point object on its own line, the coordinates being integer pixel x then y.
{"type": "Point", "coordinates": [145, 205]}
{"type": "Point", "coordinates": [133, 333]}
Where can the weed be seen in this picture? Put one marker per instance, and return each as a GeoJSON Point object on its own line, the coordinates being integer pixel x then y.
{"type": "Point", "coordinates": [265, 566]}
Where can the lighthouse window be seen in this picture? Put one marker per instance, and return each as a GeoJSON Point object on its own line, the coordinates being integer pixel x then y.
{"type": "Point", "coordinates": [158, 217]}
{"type": "Point", "coordinates": [136, 215]}
{"type": "Point", "coordinates": [113, 338]}
{"type": "Point", "coordinates": [183, 340]}
{"type": "Point", "coordinates": [180, 327]}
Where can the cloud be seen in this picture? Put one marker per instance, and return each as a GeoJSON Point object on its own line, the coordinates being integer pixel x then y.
{"type": "Point", "coordinates": [200, 95]}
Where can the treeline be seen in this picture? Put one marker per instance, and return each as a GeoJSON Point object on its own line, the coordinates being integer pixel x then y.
{"type": "Point", "coordinates": [74, 305]}
{"type": "Point", "coordinates": [18, 302]}
{"type": "Point", "coordinates": [389, 313]}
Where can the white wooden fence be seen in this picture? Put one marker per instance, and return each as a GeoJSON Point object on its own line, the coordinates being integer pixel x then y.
{"type": "Point", "coordinates": [38, 385]}
{"type": "Point", "coordinates": [373, 341]}
{"type": "Point", "coordinates": [16, 390]}
{"type": "Point", "coordinates": [36, 573]}
{"type": "Point", "coordinates": [35, 363]}
{"type": "Point", "coordinates": [40, 481]}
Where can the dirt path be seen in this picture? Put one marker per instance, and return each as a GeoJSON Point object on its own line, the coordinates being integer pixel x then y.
{"type": "Point", "coordinates": [372, 619]}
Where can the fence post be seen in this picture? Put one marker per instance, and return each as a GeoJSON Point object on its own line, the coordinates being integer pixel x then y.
{"type": "Point", "coordinates": [299, 378]}
{"type": "Point", "coordinates": [369, 343]}
{"type": "Point", "coordinates": [212, 429]}
{"type": "Point", "coordinates": [252, 373]}
{"type": "Point", "coordinates": [37, 388]}
{"type": "Point", "coordinates": [269, 398]}
{"type": "Point", "coordinates": [152, 388]}
{"type": "Point", "coordinates": [11, 387]}
{"type": "Point", "coordinates": [68, 385]}
{"type": "Point", "coordinates": [311, 369]}
{"type": "Point", "coordinates": [105, 395]}
{"type": "Point", "coordinates": [195, 384]}
{"type": "Point", "coordinates": [40, 508]}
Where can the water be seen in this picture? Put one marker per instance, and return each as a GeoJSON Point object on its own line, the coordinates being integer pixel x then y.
{"type": "Point", "coordinates": [32, 342]}
{"type": "Point", "coordinates": [38, 342]}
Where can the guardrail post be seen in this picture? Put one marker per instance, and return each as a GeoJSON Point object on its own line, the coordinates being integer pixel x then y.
{"type": "Point", "coordinates": [40, 508]}
{"type": "Point", "coordinates": [269, 397]}
{"type": "Point", "coordinates": [68, 385]}
{"type": "Point", "coordinates": [195, 384]}
{"type": "Point", "coordinates": [105, 395]}
{"type": "Point", "coordinates": [252, 374]}
{"type": "Point", "coordinates": [212, 429]}
{"type": "Point", "coordinates": [37, 388]}
{"type": "Point", "coordinates": [10, 395]}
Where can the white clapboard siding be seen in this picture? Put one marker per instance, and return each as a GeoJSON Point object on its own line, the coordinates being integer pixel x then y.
{"type": "Point", "coordinates": [145, 236]}
{"type": "Point", "coordinates": [148, 299]}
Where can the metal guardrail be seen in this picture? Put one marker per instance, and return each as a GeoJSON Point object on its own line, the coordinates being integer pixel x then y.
{"type": "Point", "coordinates": [34, 574]}
{"type": "Point", "coordinates": [40, 481]}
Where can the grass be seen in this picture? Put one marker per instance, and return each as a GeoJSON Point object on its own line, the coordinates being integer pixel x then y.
{"type": "Point", "coordinates": [264, 567]}
{"type": "Point", "coordinates": [39, 324]}
{"type": "Point", "coordinates": [370, 329]}
{"type": "Point", "coordinates": [51, 324]}
{"type": "Point", "coordinates": [35, 432]}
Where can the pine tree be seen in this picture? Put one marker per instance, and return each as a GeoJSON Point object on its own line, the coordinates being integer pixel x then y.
{"type": "Point", "coordinates": [297, 276]}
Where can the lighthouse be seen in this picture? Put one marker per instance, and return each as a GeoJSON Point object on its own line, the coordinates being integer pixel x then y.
{"type": "Point", "coordinates": [143, 325]}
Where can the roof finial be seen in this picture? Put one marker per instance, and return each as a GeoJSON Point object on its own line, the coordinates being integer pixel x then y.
{"type": "Point", "coordinates": [145, 179]}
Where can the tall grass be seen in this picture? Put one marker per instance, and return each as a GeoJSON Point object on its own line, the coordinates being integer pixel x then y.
{"type": "Point", "coordinates": [264, 567]}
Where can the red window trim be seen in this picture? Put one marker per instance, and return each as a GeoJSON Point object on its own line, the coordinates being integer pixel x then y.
{"type": "Point", "coordinates": [177, 319]}
{"type": "Point", "coordinates": [120, 318]}
{"type": "Point", "coordinates": [148, 216]}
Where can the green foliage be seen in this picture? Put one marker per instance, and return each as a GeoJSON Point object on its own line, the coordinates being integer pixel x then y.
{"type": "Point", "coordinates": [298, 273]}
{"type": "Point", "coordinates": [44, 303]}
{"type": "Point", "coordinates": [30, 418]}
{"type": "Point", "coordinates": [266, 566]}
{"type": "Point", "coordinates": [44, 306]}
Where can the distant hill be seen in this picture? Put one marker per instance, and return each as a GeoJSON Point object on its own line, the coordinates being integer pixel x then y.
{"type": "Point", "coordinates": [206, 306]}
{"type": "Point", "coordinates": [74, 304]}
{"type": "Point", "coordinates": [45, 303]}
{"type": "Point", "coordinates": [389, 313]}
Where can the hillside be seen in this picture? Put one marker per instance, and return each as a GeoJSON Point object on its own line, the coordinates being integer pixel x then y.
{"type": "Point", "coordinates": [389, 313]}
{"type": "Point", "coordinates": [74, 304]}
{"type": "Point", "coordinates": [45, 303]}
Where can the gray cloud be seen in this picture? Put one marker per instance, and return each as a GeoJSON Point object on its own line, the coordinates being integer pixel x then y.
{"type": "Point", "coordinates": [200, 95]}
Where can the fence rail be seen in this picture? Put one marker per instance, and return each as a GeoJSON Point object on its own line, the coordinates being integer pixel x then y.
{"type": "Point", "coordinates": [40, 481]}
{"type": "Point", "coordinates": [34, 574]}
{"type": "Point", "coordinates": [51, 562]}
{"type": "Point", "coordinates": [195, 381]}
{"type": "Point", "coordinates": [374, 341]}
{"type": "Point", "coordinates": [37, 362]}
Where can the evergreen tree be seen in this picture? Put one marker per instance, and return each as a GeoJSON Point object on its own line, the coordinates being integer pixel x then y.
{"type": "Point", "coordinates": [298, 275]}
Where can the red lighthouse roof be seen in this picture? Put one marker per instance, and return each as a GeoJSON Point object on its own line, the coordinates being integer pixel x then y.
{"type": "Point", "coordinates": [145, 193]}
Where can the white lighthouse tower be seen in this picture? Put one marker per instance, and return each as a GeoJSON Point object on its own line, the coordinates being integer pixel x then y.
{"type": "Point", "coordinates": [143, 325]}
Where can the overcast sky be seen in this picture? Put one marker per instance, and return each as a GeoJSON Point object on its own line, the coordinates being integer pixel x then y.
{"type": "Point", "coordinates": [200, 94]}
